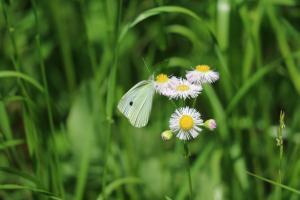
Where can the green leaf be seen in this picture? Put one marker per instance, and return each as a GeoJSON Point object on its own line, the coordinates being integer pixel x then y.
{"type": "Point", "coordinates": [5, 123]}
{"type": "Point", "coordinates": [23, 175]}
{"type": "Point", "coordinates": [14, 74]}
{"type": "Point", "coordinates": [157, 11]}
{"type": "Point", "coordinates": [83, 129]}
{"type": "Point", "coordinates": [35, 190]}
{"type": "Point", "coordinates": [167, 198]}
{"type": "Point", "coordinates": [252, 81]}
{"type": "Point", "coordinates": [10, 143]}
{"type": "Point", "coordinates": [283, 45]}
{"type": "Point", "coordinates": [275, 183]}
{"type": "Point", "coordinates": [117, 183]}
{"type": "Point", "coordinates": [247, 86]}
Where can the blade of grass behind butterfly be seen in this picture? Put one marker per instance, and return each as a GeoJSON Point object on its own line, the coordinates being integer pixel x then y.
{"type": "Point", "coordinates": [167, 198]}
{"type": "Point", "coordinates": [218, 110]}
{"type": "Point", "coordinates": [57, 16]}
{"type": "Point", "coordinates": [157, 11]}
{"type": "Point", "coordinates": [57, 182]}
{"type": "Point", "coordinates": [34, 190]}
{"type": "Point", "coordinates": [249, 49]}
{"type": "Point", "coordinates": [283, 45]}
{"type": "Point", "coordinates": [291, 31]}
{"type": "Point", "coordinates": [4, 122]}
{"type": "Point", "coordinates": [36, 151]}
{"type": "Point", "coordinates": [186, 32]}
{"type": "Point", "coordinates": [9, 144]}
{"type": "Point", "coordinates": [296, 191]}
{"type": "Point", "coordinates": [223, 23]}
{"type": "Point", "coordinates": [294, 180]}
{"type": "Point", "coordinates": [23, 175]}
{"type": "Point", "coordinates": [85, 116]}
{"type": "Point", "coordinates": [161, 38]}
{"type": "Point", "coordinates": [252, 27]}
{"type": "Point", "coordinates": [118, 183]}
{"type": "Point", "coordinates": [106, 57]}
{"type": "Point", "coordinates": [222, 43]}
{"type": "Point", "coordinates": [15, 74]}
{"type": "Point", "coordinates": [91, 50]}
{"type": "Point", "coordinates": [284, 2]}
{"type": "Point", "coordinates": [254, 80]}
{"type": "Point", "coordinates": [110, 99]}
{"type": "Point", "coordinates": [8, 134]}
{"type": "Point", "coordinates": [17, 63]}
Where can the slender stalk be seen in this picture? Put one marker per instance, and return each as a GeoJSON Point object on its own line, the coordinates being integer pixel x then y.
{"type": "Point", "coordinates": [47, 98]}
{"type": "Point", "coordinates": [280, 145]}
{"type": "Point", "coordinates": [91, 51]}
{"type": "Point", "coordinates": [16, 63]}
{"type": "Point", "coordinates": [110, 95]}
{"type": "Point", "coordinates": [188, 168]}
{"type": "Point", "coordinates": [11, 30]}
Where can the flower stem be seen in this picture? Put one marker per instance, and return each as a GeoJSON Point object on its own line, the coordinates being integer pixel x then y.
{"type": "Point", "coordinates": [188, 168]}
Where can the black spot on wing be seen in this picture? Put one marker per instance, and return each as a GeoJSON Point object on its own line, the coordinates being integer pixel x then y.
{"type": "Point", "coordinates": [130, 103]}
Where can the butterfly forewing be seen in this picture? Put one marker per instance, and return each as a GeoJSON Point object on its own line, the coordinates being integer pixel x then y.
{"type": "Point", "coordinates": [126, 102]}
{"type": "Point", "coordinates": [141, 108]}
{"type": "Point", "coordinates": [136, 104]}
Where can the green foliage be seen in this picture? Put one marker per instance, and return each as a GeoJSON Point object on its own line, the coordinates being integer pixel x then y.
{"type": "Point", "coordinates": [64, 65]}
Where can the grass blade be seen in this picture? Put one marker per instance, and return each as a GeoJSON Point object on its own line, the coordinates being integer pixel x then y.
{"type": "Point", "coordinates": [10, 143]}
{"type": "Point", "coordinates": [15, 74]}
{"type": "Point", "coordinates": [275, 183]}
{"type": "Point", "coordinates": [252, 81]}
{"type": "Point", "coordinates": [117, 183]}
{"type": "Point", "coordinates": [35, 190]}
{"type": "Point", "coordinates": [23, 175]}
{"type": "Point", "coordinates": [157, 11]}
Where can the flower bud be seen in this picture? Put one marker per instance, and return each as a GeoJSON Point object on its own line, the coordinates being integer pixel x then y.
{"type": "Point", "coordinates": [210, 124]}
{"type": "Point", "coordinates": [167, 135]}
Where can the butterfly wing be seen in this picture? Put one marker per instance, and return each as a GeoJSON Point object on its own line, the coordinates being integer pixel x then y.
{"type": "Point", "coordinates": [141, 109]}
{"type": "Point", "coordinates": [136, 104]}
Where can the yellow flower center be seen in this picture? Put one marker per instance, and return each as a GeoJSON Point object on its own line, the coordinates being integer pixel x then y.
{"type": "Point", "coordinates": [202, 68]}
{"type": "Point", "coordinates": [162, 78]}
{"type": "Point", "coordinates": [186, 122]}
{"type": "Point", "coordinates": [182, 88]}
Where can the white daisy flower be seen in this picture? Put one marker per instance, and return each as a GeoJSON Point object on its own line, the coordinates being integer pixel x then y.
{"type": "Point", "coordinates": [186, 122]}
{"type": "Point", "coordinates": [162, 84]}
{"type": "Point", "coordinates": [202, 74]}
{"type": "Point", "coordinates": [181, 88]}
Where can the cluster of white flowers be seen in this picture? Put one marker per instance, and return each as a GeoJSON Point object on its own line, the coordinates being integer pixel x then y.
{"type": "Point", "coordinates": [180, 88]}
{"type": "Point", "coordinates": [185, 122]}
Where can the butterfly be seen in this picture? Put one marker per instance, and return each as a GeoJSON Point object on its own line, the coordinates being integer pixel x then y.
{"type": "Point", "coordinates": [136, 104]}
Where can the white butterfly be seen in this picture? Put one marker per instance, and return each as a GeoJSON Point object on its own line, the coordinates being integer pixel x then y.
{"type": "Point", "coordinates": [136, 104]}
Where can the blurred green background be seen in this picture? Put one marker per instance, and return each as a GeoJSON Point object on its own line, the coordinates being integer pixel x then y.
{"type": "Point", "coordinates": [64, 65]}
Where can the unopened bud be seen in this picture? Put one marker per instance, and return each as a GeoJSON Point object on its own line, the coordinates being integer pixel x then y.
{"type": "Point", "coordinates": [167, 135]}
{"type": "Point", "coordinates": [210, 124]}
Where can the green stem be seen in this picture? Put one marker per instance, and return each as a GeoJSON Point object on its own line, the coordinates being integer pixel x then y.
{"type": "Point", "coordinates": [56, 179]}
{"type": "Point", "coordinates": [280, 144]}
{"type": "Point", "coordinates": [188, 168]}
{"type": "Point", "coordinates": [16, 63]}
{"type": "Point", "coordinates": [110, 95]}
{"type": "Point", "coordinates": [91, 51]}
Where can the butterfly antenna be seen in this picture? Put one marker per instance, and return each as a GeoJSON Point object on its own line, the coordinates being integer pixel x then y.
{"type": "Point", "coordinates": [147, 66]}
